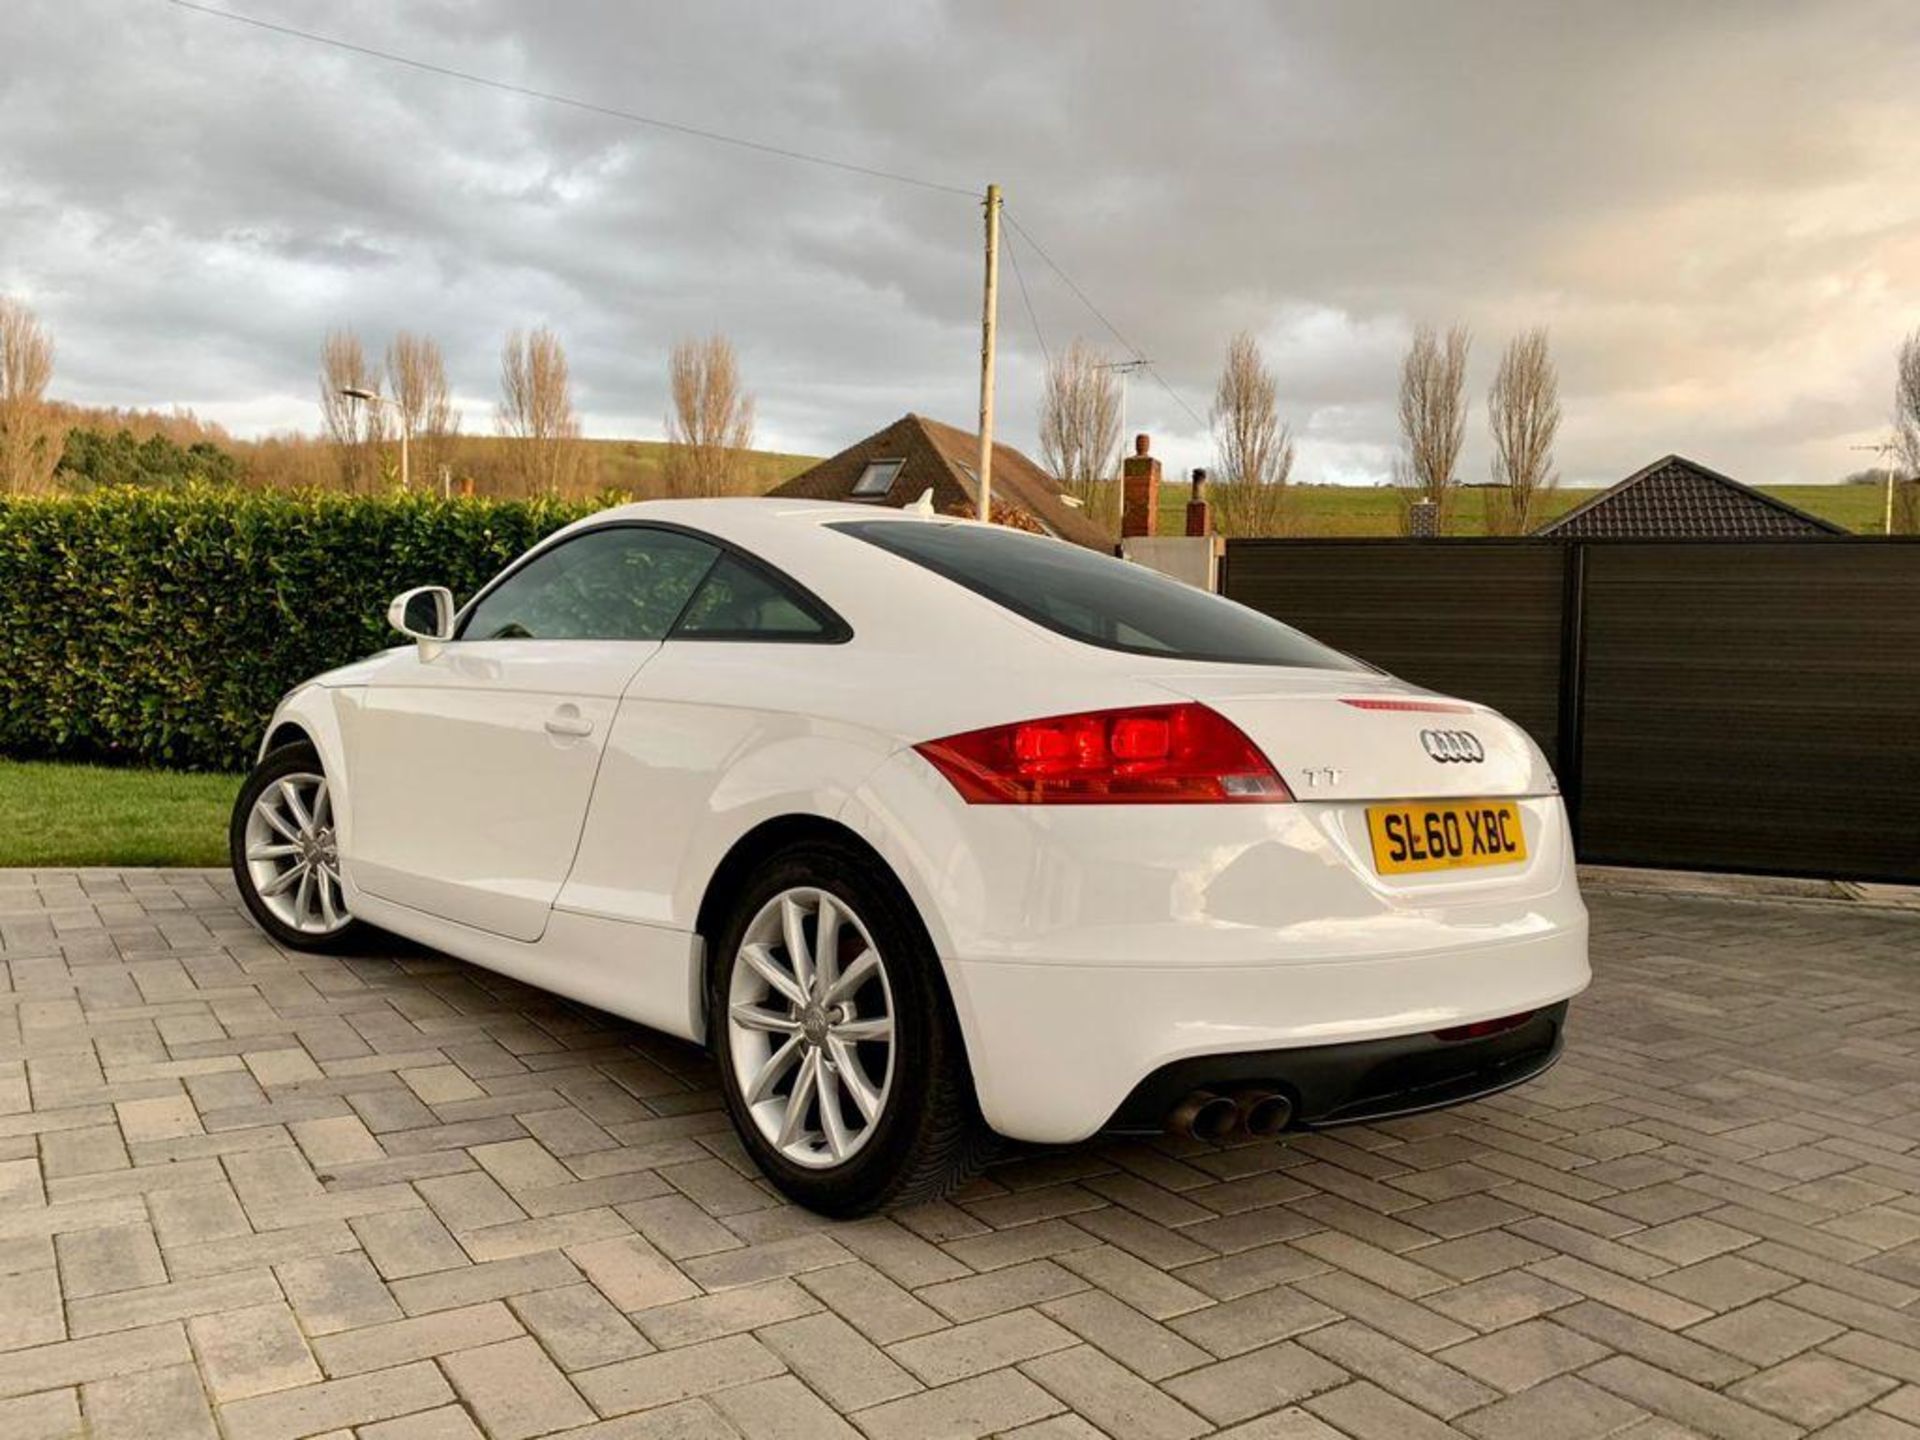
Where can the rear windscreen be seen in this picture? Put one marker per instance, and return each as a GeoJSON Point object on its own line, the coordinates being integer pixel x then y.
{"type": "Point", "coordinates": [1096, 598]}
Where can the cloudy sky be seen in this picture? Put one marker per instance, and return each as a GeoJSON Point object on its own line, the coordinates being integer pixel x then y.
{"type": "Point", "coordinates": [1715, 207]}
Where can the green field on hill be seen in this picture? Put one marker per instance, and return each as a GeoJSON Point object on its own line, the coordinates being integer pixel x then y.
{"type": "Point", "coordinates": [1335, 510]}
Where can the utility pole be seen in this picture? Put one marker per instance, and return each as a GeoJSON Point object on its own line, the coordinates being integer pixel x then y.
{"type": "Point", "coordinates": [1124, 369]}
{"type": "Point", "coordinates": [989, 309]}
{"type": "Point", "coordinates": [1885, 450]}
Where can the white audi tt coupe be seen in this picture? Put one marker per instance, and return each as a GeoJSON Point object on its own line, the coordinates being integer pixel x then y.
{"type": "Point", "coordinates": [932, 831]}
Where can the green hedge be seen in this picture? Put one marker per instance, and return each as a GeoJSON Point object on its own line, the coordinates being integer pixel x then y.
{"type": "Point", "coordinates": [159, 628]}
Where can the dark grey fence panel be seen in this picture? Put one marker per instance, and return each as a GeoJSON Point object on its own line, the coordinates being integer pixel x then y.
{"type": "Point", "coordinates": [1753, 707]}
{"type": "Point", "coordinates": [1481, 620]}
{"type": "Point", "coordinates": [1747, 706]}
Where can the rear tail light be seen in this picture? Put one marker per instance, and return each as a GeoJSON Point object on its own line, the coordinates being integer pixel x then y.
{"type": "Point", "coordinates": [1157, 754]}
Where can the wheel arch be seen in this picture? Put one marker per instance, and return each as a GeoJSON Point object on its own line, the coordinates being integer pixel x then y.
{"type": "Point", "coordinates": [768, 838]}
{"type": "Point", "coordinates": [284, 733]}
{"type": "Point", "coordinates": [765, 840]}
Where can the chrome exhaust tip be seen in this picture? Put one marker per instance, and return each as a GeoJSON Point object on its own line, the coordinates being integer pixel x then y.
{"type": "Point", "coordinates": [1203, 1115]}
{"type": "Point", "coordinates": [1263, 1114]}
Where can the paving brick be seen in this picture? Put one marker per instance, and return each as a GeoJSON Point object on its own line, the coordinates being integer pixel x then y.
{"type": "Point", "coordinates": [163, 1404]}
{"type": "Point", "coordinates": [1523, 1355]}
{"type": "Point", "coordinates": [251, 1352]}
{"type": "Point", "coordinates": [448, 1422]}
{"type": "Point", "coordinates": [336, 1292]}
{"type": "Point", "coordinates": [1765, 1332]}
{"type": "Point", "coordinates": [1000, 1401]}
{"type": "Point", "coordinates": [1812, 1390]}
{"type": "Point", "coordinates": [376, 1347]}
{"type": "Point", "coordinates": [1253, 1321]}
{"type": "Point", "coordinates": [30, 1310]}
{"type": "Point", "coordinates": [1691, 1405]}
{"type": "Point", "coordinates": [681, 1374]}
{"type": "Point", "coordinates": [838, 1362]}
{"type": "Point", "coordinates": [162, 1117]}
{"type": "Point", "coordinates": [631, 1273]}
{"type": "Point", "coordinates": [1143, 1345]}
{"type": "Point", "coordinates": [515, 1390]}
{"type": "Point", "coordinates": [782, 1409]}
{"type": "Point", "coordinates": [579, 1327]}
{"type": "Point", "coordinates": [407, 1242]}
{"type": "Point", "coordinates": [726, 1312]}
{"type": "Point", "coordinates": [982, 1345]}
{"type": "Point", "coordinates": [1232, 1390]}
{"type": "Point", "coordinates": [100, 1357]}
{"type": "Point", "coordinates": [110, 1259]}
{"type": "Point", "coordinates": [336, 1404]}
{"type": "Point", "coordinates": [50, 1415]}
{"type": "Point", "coordinates": [1429, 1383]}
{"type": "Point", "coordinates": [1367, 1412]}
{"type": "Point", "coordinates": [1566, 1408]}
{"type": "Point", "coordinates": [493, 1280]}
{"type": "Point", "coordinates": [1116, 1400]}
{"type": "Point", "coordinates": [871, 1303]}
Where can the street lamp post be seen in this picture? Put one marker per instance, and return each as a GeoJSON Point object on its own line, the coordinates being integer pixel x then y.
{"type": "Point", "coordinates": [374, 397]}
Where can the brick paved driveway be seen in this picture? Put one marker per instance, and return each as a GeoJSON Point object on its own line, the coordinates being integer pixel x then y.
{"type": "Point", "coordinates": [400, 1198]}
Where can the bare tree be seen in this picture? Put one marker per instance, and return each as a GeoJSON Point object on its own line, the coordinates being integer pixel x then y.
{"type": "Point", "coordinates": [1253, 451]}
{"type": "Point", "coordinates": [710, 431]}
{"type": "Point", "coordinates": [355, 428]}
{"type": "Point", "coordinates": [536, 409]}
{"type": "Point", "coordinates": [30, 430]}
{"type": "Point", "coordinates": [1523, 414]}
{"type": "Point", "coordinates": [1906, 435]}
{"type": "Point", "coordinates": [1080, 430]}
{"type": "Point", "coordinates": [1433, 417]}
{"type": "Point", "coordinates": [417, 381]}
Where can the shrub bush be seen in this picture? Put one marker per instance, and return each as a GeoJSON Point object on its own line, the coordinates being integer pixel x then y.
{"type": "Point", "coordinates": [160, 627]}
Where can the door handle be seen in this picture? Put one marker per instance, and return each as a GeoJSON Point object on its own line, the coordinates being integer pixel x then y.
{"type": "Point", "coordinates": [568, 720]}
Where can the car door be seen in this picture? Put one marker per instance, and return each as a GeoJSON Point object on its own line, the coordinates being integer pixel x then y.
{"type": "Point", "coordinates": [472, 764]}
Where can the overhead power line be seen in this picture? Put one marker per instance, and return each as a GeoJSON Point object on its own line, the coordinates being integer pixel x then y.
{"type": "Point", "coordinates": [1027, 300]}
{"type": "Point", "coordinates": [738, 142]}
{"type": "Point", "coordinates": [612, 112]}
{"type": "Point", "coordinates": [1114, 330]}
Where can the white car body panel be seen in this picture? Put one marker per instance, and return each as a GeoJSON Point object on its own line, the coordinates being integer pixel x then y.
{"type": "Point", "coordinates": [1084, 946]}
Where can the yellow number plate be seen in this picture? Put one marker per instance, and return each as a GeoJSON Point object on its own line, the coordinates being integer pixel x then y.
{"type": "Point", "coordinates": [1446, 836]}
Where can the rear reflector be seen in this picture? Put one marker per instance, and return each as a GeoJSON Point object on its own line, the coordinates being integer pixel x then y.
{"type": "Point", "coordinates": [1152, 755]}
{"type": "Point", "coordinates": [1480, 1029]}
{"type": "Point", "coordinates": [1438, 707]}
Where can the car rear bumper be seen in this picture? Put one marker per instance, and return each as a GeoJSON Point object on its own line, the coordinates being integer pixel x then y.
{"type": "Point", "coordinates": [1062, 1051]}
{"type": "Point", "coordinates": [1327, 1085]}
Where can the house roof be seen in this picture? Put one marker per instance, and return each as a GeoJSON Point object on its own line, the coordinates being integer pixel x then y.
{"type": "Point", "coordinates": [941, 458]}
{"type": "Point", "coordinates": [1675, 498]}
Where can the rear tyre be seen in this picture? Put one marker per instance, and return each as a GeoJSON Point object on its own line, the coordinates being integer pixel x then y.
{"type": "Point", "coordinates": [839, 1054]}
{"type": "Point", "coordinates": [284, 856]}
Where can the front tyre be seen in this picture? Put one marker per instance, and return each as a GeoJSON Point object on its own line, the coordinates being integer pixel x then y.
{"type": "Point", "coordinates": [839, 1054]}
{"type": "Point", "coordinates": [285, 859]}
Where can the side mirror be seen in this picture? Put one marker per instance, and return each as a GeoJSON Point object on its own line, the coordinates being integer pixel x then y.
{"type": "Point", "coordinates": [424, 615]}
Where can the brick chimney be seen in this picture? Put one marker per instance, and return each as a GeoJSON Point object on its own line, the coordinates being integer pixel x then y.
{"type": "Point", "coordinates": [1139, 491]}
{"type": "Point", "coordinates": [1199, 521]}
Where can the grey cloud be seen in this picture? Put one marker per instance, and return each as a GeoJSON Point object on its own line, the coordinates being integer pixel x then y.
{"type": "Point", "coordinates": [1715, 206]}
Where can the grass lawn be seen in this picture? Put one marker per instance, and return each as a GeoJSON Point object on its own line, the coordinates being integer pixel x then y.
{"type": "Point", "coordinates": [56, 816]}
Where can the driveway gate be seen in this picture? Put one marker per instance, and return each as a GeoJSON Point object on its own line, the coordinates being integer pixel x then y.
{"type": "Point", "coordinates": [1716, 705]}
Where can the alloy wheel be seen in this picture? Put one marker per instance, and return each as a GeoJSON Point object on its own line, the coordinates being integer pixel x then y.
{"type": "Point", "coordinates": [292, 858]}
{"type": "Point", "coordinates": [810, 1019]}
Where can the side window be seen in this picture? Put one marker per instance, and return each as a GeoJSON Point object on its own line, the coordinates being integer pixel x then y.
{"type": "Point", "coordinates": [739, 601]}
{"type": "Point", "coordinates": [620, 583]}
